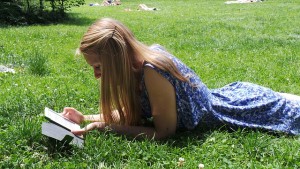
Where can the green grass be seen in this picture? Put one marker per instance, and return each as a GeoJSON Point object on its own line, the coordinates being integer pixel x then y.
{"type": "Point", "coordinates": [258, 42]}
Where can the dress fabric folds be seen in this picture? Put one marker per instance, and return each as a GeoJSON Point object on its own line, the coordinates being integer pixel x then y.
{"type": "Point", "coordinates": [240, 104]}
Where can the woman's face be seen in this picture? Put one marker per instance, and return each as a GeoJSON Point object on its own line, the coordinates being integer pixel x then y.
{"type": "Point", "coordinates": [94, 61]}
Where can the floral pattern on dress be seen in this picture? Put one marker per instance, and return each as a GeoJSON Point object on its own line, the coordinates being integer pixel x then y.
{"type": "Point", "coordinates": [238, 104]}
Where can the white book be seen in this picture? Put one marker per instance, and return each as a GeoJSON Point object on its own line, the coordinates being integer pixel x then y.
{"type": "Point", "coordinates": [59, 133]}
{"type": "Point", "coordinates": [60, 120]}
{"type": "Point", "coordinates": [60, 128]}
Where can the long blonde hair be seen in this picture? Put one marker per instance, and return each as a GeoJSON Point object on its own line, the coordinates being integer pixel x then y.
{"type": "Point", "coordinates": [120, 54]}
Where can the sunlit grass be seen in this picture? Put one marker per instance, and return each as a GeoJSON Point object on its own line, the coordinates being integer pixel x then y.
{"type": "Point", "coordinates": [256, 42]}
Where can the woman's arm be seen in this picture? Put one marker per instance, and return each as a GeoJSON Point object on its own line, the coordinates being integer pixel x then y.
{"type": "Point", "coordinates": [138, 132]}
{"type": "Point", "coordinates": [163, 103]}
{"type": "Point", "coordinates": [131, 131]}
{"type": "Point", "coordinates": [99, 117]}
{"type": "Point", "coordinates": [93, 118]}
{"type": "Point", "coordinates": [163, 106]}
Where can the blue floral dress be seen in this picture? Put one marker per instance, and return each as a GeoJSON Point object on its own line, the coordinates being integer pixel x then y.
{"type": "Point", "coordinates": [240, 104]}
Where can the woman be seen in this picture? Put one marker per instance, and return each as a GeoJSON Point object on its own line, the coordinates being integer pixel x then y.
{"type": "Point", "coordinates": [111, 2]}
{"type": "Point", "coordinates": [140, 82]}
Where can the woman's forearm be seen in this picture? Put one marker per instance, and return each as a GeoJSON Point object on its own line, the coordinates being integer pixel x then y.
{"type": "Point", "coordinates": [131, 131]}
{"type": "Point", "coordinates": [138, 132]}
{"type": "Point", "coordinates": [99, 117]}
{"type": "Point", "coordinates": [94, 118]}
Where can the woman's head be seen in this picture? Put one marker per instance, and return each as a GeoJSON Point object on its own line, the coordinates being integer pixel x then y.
{"type": "Point", "coordinates": [107, 47]}
{"type": "Point", "coordinates": [106, 43]}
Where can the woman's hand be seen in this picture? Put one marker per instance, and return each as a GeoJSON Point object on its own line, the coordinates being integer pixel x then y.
{"type": "Point", "coordinates": [89, 127]}
{"type": "Point", "coordinates": [73, 115]}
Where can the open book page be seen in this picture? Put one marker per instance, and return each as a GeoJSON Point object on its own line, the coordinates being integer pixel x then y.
{"type": "Point", "coordinates": [60, 120]}
{"type": "Point", "coordinates": [54, 131]}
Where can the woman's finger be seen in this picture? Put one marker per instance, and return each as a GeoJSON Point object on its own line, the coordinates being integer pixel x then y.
{"type": "Point", "coordinates": [66, 111]}
{"type": "Point", "coordinates": [79, 132]}
{"type": "Point", "coordinates": [89, 127]}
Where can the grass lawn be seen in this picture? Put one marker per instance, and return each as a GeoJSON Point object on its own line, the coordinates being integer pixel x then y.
{"type": "Point", "coordinates": [258, 42]}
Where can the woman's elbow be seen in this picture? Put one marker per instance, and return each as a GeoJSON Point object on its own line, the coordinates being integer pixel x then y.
{"type": "Point", "coordinates": [159, 136]}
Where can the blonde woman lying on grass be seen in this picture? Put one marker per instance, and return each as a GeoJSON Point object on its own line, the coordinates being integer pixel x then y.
{"type": "Point", "coordinates": [141, 83]}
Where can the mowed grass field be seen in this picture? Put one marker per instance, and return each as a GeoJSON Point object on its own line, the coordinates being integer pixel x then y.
{"type": "Point", "coordinates": [258, 43]}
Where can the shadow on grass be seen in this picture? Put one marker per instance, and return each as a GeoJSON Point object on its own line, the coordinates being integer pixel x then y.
{"type": "Point", "coordinates": [182, 139]}
{"type": "Point", "coordinates": [200, 134]}
{"type": "Point", "coordinates": [77, 19]}
{"type": "Point", "coordinates": [57, 148]}
{"type": "Point", "coordinates": [71, 19]}
{"type": "Point", "coordinates": [197, 136]}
